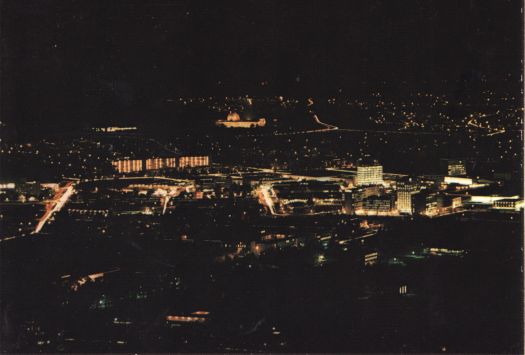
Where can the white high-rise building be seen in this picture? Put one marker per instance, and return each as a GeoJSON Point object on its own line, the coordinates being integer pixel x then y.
{"type": "Point", "coordinates": [369, 174]}
{"type": "Point", "coordinates": [405, 196]}
{"type": "Point", "coordinates": [405, 201]}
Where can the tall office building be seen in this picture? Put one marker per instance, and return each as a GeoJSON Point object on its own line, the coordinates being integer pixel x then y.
{"type": "Point", "coordinates": [369, 174]}
{"type": "Point", "coordinates": [406, 191]}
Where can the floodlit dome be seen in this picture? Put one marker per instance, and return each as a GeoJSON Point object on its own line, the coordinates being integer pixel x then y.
{"type": "Point", "coordinates": [233, 116]}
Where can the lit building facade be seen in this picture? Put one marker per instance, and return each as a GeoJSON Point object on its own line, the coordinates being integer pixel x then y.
{"type": "Point", "coordinates": [138, 165]}
{"type": "Point", "coordinates": [233, 120]}
{"type": "Point", "coordinates": [193, 161]}
{"type": "Point", "coordinates": [369, 174]}
{"type": "Point", "coordinates": [458, 180]}
{"type": "Point", "coordinates": [128, 165]}
{"type": "Point", "coordinates": [378, 204]}
{"type": "Point", "coordinates": [353, 198]}
{"type": "Point", "coordinates": [508, 204]}
{"type": "Point", "coordinates": [170, 162]}
{"type": "Point", "coordinates": [405, 196]}
{"type": "Point", "coordinates": [448, 202]}
{"type": "Point", "coordinates": [371, 258]}
{"type": "Point", "coordinates": [155, 163]}
{"type": "Point", "coordinates": [405, 201]}
{"type": "Point", "coordinates": [456, 168]}
{"type": "Point", "coordinates": [7, 186]}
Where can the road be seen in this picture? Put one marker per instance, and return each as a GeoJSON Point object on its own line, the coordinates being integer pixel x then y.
{"type": "Point", "coordinates": [172, 193]}
{"type": "Point", "coordinates": [328, 126]}
{"type": "Point", "coordinates": [265, 198]}
{"type": "Point", "coordinates": [493, 131]}
{"type": "Point", "coordinates": [59, 200]}
{"type": "Point", "coordinates": [332, 128]}
{"type": "Point", "coordinates": [161, 178]}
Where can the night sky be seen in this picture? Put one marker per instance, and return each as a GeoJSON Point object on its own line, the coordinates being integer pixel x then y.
{"type": "Point", "coordinates": [61, 59]}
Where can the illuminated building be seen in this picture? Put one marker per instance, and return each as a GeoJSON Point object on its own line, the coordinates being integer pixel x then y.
{"type": "Point", "coordinates": [233, 117]}
{"type": "Point", "coordinates": [371, 258]}
{"type": "Point", "coordinates": [485, 202]}
{"type": "Point", "coordinates": [405, 201]}
{"type": "Point", "coordinates": [405, 196]}
{"type": "Point", "coordinates": [170, 162]}
{"type": "Point", "coordinates": [429, 203]}
{"type": "Point", "coordinates": [378, 204]}
{"type": "Point", "coordinates": [508, 204]}
{"type": "Point", "coordinates": [128, 165]}
{"type": "Point", "coordinates": [161, 163]}
{"type": "Point", "coordinates": [353, 198]}
{"type": "Point", "coordinates": [489, 200]}
{"type": "Point", "coordinates": [371, 190]}
{"type": "Point", "coordinates": [137, 165]}
{"type": "Point", "coordinates": [193, 161]}
{"type": "Point", "coordinates": [154, 163]}
{"type": "Point", "coordinates": [448, 202]}
{"type": "Point", "coordinates": [369, 174]}
{"type": "Point", "coordinates": [444, 251]}
{"type": "Point", "coordinates": [309, 196]}
{"type": "Point", "coordinates": [50, 185]}
{"type": "Point", "coordinates": [350, 200]}
{"type": "Point", "coordinates": [456, 168]}
{"type": "Point", "coordinates": [233, 120]}
{"type": "Point", "coordinates": [458, 180]}
{"type": "Point", "coordinates": [457, 202]}
{"type": "Point", "coordinates": [411, 200]}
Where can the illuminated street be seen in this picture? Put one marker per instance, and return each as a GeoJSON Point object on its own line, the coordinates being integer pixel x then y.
{"type": "Point", "coordinates": [55, 205]}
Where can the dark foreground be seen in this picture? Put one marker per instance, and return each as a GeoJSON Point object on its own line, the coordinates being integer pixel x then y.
{"type": "Point", "coordinates": [312, 296]}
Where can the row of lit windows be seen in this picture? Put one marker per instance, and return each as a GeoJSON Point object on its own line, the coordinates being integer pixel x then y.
{"type": "Point", "coordinates": [128, 165]}
{"type": "Point", "coordinates": [369, 175]}
{"type": "Point", "coordinates": [193, 161]}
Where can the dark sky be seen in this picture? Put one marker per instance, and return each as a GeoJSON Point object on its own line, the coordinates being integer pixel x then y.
{"type": "Point", "coordinates": [64, 59]}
